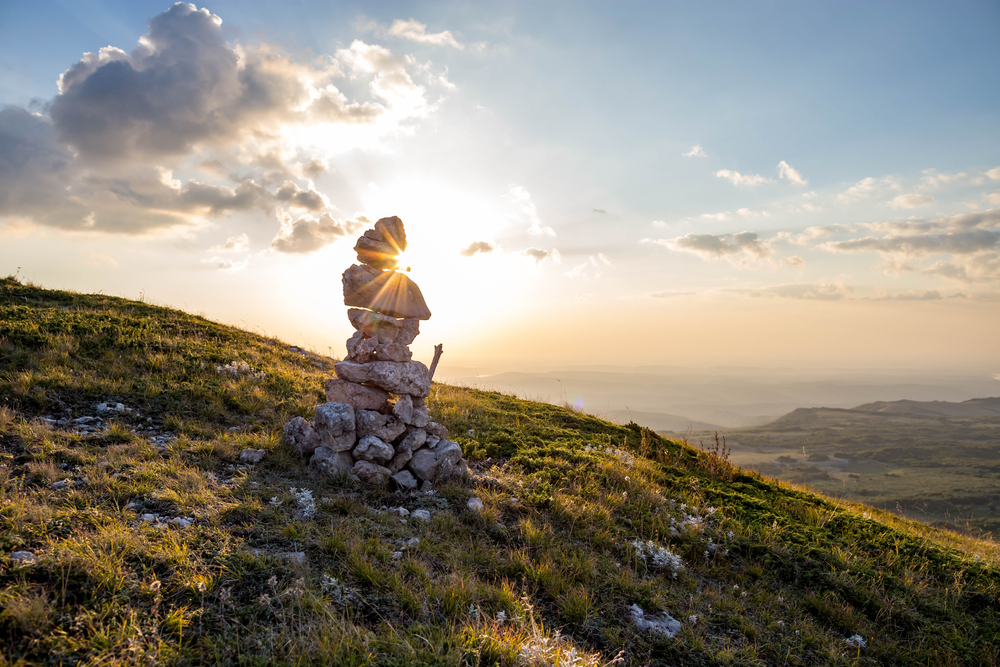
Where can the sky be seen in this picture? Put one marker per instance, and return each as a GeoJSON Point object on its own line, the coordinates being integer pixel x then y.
{"type": "Point", "coordinates": [807, 185]}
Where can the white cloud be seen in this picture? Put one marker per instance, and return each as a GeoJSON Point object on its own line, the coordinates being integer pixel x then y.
{"type": "Point", "coordinates": [742, 246]}
{"type": "Point", "coordinates": [994, 174]}
{"type": "Point", "coordinates": [417, 31]}
{"type": "Point", "coordinates": [992, 197]}
{"type": "Point", "coordinates": [591, 268]}
{"type": "Point", "coordinates": [223, 264]}
{"type": "Point", "coordinates": [747, 213]}
{"type": "Point", "coordinates": [239, 243]}
{"type": "Point", "coordinates": [912, 200]}
{"type": "Point", "coordinates": [740, 179]}
{"type": "Point", "coordinates": [659, 224]}
{"type": "Point", "coordinates": [932, 179]}
{"type": "Point", "coordinates": [786, 172]}
{"type": "Point", "coordinates": [696, 151]}
{"type": "Point", "coordinates": [540, 255]}
{"type": "Point", "coordinates": [484, 247]}
{"type": "Point", "coordinates": [805, 291]}
{"type": "Point", "coordinates": [527, 211]}
{"type": "Point", "coordinates": [866, 188]}
{"type": "Point", "coordinates": [794, 261]}
{"type": "Point", "coordinates": [309, 234]}
{"type": "Point", "coordinates": [719, 217]}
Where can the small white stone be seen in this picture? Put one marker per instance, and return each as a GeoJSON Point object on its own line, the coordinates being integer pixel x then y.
{"type": "Point", "coordinates": [252, 456]}
{"type": "Point", "coordinates": [475, 504]}
{"type": "Point", "coordinates": [57, 486]}
{"type": "Point", "coordinates": [102, 407]}
{"type": "Point", "coordinates": [400, 511]}
{"type": "Point", "coordinates": [23, 557]}
{"type": "Point", "coordinates": [422, 515]}
{"type": "Point", "coordinates": [148, 518]}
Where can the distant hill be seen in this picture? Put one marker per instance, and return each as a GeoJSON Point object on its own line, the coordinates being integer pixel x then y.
{"type": "Point", "coordinates": [976, 407]}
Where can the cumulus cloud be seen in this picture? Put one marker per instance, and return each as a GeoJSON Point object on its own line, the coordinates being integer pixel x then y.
{"type": "Point", "coordinates": [912, 200]}
{"type": "Point", "coordinates": [719, 217]}
{"type": "Point", "coordinates": [416, 31]}
{"type": "Point", "coordinates": [867, 187]}
{"type": "Point", "coordinates": [309, 234]}
{"type": "Point", "coordinates": [808, 235]}
{"type": "Point", "coordinates": [540, 255]}
{"type": "Point", "coordinates": [484, 247]}
{"type": "Point", "coordinates": [239, 243]}
{"type": "Point", "coordinates": [794, 261]}
{"type": "Point", "coordinates": [696, 151]}
{"type": "Point", "coordinates": [184, 98]}
{"type": "Point", "coordinates": [786, 172]}
{"type": "Point", "coordinates": [747, 213]}
{"type": "Point", "coordinates": [932, 179]}
{"type": "Point", "coordinates": [599, 210]}
{"type": "Point", "coordinates": [970, 239]}
{"type": "Point", "coordinates": [994, 174]}
{"type": "Point", "coordinates": [744, 245]}
{"type": "Point", "coordinates": [740, 179]}
{"type": "Point", "coordinates": [525, 208]}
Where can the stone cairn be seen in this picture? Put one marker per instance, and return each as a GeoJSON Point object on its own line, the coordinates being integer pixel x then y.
{"type": "Point", "coordinates": [375, 425]}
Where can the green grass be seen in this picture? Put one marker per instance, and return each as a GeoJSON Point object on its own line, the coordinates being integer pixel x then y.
{"type": "Point", "coordinates": [546, 571]}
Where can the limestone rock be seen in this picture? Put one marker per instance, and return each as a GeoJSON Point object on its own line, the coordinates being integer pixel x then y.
{"type": "Point", "coordinates": [385, 427]}
{"type": "Point", "coordinates": [413, 441]}
{"type": "Point", "coordinates": [420, 418]}
{"type": "Point", "coordinates": [410, 377]}
{"type": "Point", "coordinates": [361, 397]}
{"type": "Point", "coordinates": [433, 428]}
{"type": "Point", "coordinates": [28, 558]}
{"type": "Point", "coordinates": [386, 329]}
{"type": "Point", "coordinates": [405, 479]}
{"type": "Point", "coordinates": [301, 437]}
{"type": "Point", "coordinates": [376, 253]}
{"type": "Point", "coordinates": [421, 515]}
{"type": "Point", "coordinates": [403, 409]}
{"type": "Point", "coordinates": [393, 352]}
{"type": "Point", "coordinates": [363, 350]}
{"type": "Point", "coordinates": [401, 458]}
{"type": "Point", "coordinates": [371, 473]}
{"type": "Point", "coordinates": [252, 456]}
{"type": "Point", "coordinates": [475, 504]}
{"type": "Point", "coordinates": [335, 425]}
{"type": "Point", "coordinates": [438, 463]}
{"type": "Point", "coordinates": [386, 292]}
{"type": "Point", "coordinates": [329, 462]}
{"type": "Point", "coordinates": [373, 449]}
{"type": "Point", "coordinates": [392, 232]}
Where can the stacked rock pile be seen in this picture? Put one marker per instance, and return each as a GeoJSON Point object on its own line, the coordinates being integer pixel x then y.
{"type": "Point", "coordinates": [375, 425]}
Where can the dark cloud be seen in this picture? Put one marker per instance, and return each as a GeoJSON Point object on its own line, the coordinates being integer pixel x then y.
{"type": "Point", "coordinates": [310, 234]}
{"type": "Point", "coordinates": [716, 246]}
{"type": "Point", "coordinates": [599, 210]}
{"type": "Point", "coordinates": [540, 255]}
{"type": "Point", "coordinates": [34, 167]}
{"type": "Point", "coordinates": [479, 246]}
{"type": "Point", "coordinates": [309, 200]}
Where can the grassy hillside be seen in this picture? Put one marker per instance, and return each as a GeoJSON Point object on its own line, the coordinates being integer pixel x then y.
{"type": "Point", "coordinates": [936, 461]}
{"type": "Point", "coordinates": [152, 544]}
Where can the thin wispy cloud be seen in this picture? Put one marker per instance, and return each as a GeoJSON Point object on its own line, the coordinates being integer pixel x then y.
{"type": "Point", "coordinates": [696, 151]}
{"type": "Point", "coordinates": [786, 172]}
{"type": "Point", "coordinates": [742, 179]}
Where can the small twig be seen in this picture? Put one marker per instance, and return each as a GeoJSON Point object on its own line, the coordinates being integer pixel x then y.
{"type": "Point", "coordinates": [437, 356]}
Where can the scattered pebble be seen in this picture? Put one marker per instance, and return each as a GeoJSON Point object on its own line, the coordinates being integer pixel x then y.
{"type": "Point", "coordinates": [400, 512]}
{"type": "Point", "coordinates": [422, 515]}
{"type": "Point", "coordinates": [23, 557]}
{"type": "Point", "coordinates": [180, 523]}
{"type": "Point", "coordinates": [59, 485]}
{"type": "Point", "coordinates": [475, 504]}
{"type": "Point", "coordinates": [664, 624]}
{"type": "Point", "coordinates": [297, 557]}
{"type": "Point", "coordinates": [252, 456]}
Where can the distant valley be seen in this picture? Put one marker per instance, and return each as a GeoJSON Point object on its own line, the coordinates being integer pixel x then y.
{"type": "Point", "coordinates": [935, 461]}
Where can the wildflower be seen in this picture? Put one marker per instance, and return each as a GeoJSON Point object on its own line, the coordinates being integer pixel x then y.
{"type": "Point", "coordinates": [275, 501]}
{"type": "Point", "coordinates": [200, 586]}
{"type": "Point", "coordinates": [856, 641]}
{"type": "Point", "coordinates": [305, 502]}
{"type": "Point", "coordinates": [692, 619]}
{"type": "Point", "coordinates": [661, 557]}
{"type": "Point", "coordinates": [273, 581]}
{"type": "Point", "coordinates": [155, 586]}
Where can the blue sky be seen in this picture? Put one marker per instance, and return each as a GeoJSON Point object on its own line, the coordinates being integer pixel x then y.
{"type": "Point", "coordinates": [836, 162]}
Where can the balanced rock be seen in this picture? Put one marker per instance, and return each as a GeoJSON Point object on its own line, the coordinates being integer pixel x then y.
{"type": "Point", "coordinates": [301, 437]}
{"type": "Point", "coordinates": [363, 350]}
{"type": "Point", "coordinates": [371, 473]}
{"type": "Point", "coordinates": [409, 377]}
{"type": "Point", "coordinates": [329, 462]}
{"type": "Point", "coordinates": [392, 232]}
{"type": "Point", "coordinates": [376, 253]}
{"type": "Point", "coordinates": [362, 397]}
{"type": "Point", "coordinates": [386, 329]}
{"type": "Point", "coordinates": [436, 464]}
{"type": "Point", "coordinates": [386, 292]}
{"type": "Point", "coordinates": [372, 449]}
{"type": "Point", "coordinates": [335, 425]}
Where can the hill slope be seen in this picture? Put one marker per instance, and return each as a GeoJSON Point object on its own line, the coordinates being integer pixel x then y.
{"type": "Point", "coordinates": [150, 542]}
